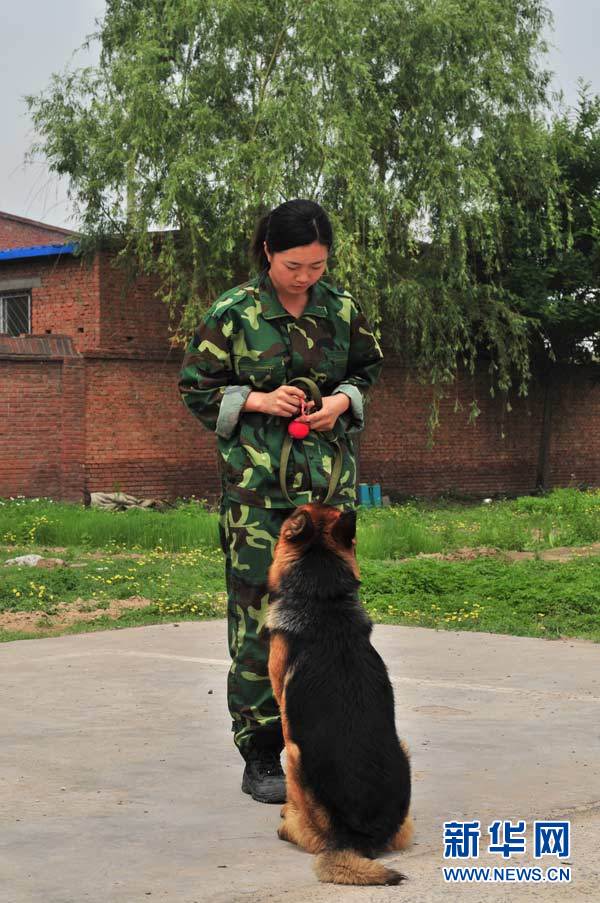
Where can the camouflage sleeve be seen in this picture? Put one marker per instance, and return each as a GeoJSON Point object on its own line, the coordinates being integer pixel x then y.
{"type": "Point", "coordinates": [207, 378]}
{"type": "Point", "coordinates": [365, 360]}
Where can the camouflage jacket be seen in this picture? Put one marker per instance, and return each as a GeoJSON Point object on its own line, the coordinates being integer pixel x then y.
{"type": "Point", "coordinates": [247, 342]}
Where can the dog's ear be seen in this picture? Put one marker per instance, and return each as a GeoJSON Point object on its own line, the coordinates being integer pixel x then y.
{"type": "Point", "coordinates": [299, 527]}
{"type": "Point", "coordinates": [344, 529]}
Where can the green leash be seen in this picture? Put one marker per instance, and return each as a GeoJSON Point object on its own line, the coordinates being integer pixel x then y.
{"type": "Point", "coordinates": [336, 471]}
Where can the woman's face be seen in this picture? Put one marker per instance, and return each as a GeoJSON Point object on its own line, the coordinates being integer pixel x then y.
{"type": "Point", "coordinates": [296, 269]}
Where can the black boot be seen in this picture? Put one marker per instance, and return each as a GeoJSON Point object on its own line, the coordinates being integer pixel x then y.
{"type": "Point", "coordinates": [263, 776]}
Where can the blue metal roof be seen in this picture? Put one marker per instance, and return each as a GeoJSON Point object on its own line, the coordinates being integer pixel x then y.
{"type": "Point", "coordinates": [39, 251]}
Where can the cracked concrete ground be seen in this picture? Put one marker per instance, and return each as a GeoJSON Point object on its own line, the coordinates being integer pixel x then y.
{"type": "Point", "coordinates": [119, 782]}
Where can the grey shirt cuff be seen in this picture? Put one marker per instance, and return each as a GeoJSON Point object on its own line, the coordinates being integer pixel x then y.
{"type": "Point", "coordinates": [234, 399]}
{"type": "Point", "coordinates": [354, 417]}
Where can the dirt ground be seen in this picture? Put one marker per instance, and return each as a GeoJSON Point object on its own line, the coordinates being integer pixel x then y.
{"type": "Point", "coordinates": [68, 613]}
{"type": "Point", "coordinates": [560, 554]}
{"type": "Point", "coordinates": [81, 610]}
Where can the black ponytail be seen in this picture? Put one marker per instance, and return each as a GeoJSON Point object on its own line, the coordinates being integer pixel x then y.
{"type": "Point", "coordinates": [258, 242]}
{"type": "Point", "coordinates": [290, 225]}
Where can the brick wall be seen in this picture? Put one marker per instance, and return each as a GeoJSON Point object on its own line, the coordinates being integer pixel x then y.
{"type": "Point", "coordinates": [64, 296]}
{"type": "Point", "coordinates": [71, 423]}
{"type": "Point", "coordinates": [132, 315]}
{"type": "Point", "coordinates": [103, 410]}
{"type": "Point", "coordinates": [93, 302]}
{"type": "Point", "coordinates": [139, 436]}
{"type": "Point", "coordinates": [18, 232]}
{"type": "Point", "coordinates": [72, 434]}
{"type": "Point", "coordinates": [41, 424]}
{"type": "Point", "coordinates": [104, 423]}
{"type": "Point", "coordinates": [31, 418]}
{"type": "Point", "coordinates": [496, 453]}
{"type": "Point", "coordinates": [575, 454]}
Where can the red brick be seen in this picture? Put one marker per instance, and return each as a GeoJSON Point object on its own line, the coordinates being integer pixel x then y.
{"type": "Point", "coordinates": [19, 232]}
{"type": "Point", "coordinates": [101, 410]}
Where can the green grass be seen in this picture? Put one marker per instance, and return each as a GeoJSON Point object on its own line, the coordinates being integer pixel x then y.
{"type": "Point", "coordinates": [173, 559]}
{"type": "Point", "coordinates": [564, 517]}
{"type": "Point", "coordinates": [529, 598]}
{"type": "Point", "coordinates": [43, 522]}
{"type": "Point", "coordinates": [185, 583]}
{"type": "Point", "coordinates": [525, 598]}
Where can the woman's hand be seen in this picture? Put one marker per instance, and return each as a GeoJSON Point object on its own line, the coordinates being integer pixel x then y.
{"type": "Point", "coordinates": [286, 401]}
{"type": "Point", "coordinates": [325, 419]}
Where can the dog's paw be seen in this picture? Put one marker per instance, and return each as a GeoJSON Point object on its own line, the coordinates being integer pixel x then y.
{"type": "Point", "coordinates": [394, 877]}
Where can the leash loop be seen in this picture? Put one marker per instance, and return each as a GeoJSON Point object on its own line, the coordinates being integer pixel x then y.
{"type": "Point", "coordinates": [336, 471]}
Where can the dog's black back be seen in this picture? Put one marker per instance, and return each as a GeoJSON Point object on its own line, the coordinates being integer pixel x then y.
{"type": "Point", "coordinates": [340, 704]}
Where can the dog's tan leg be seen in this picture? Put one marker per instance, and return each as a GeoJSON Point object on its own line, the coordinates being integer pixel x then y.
{"type": "Point", "coordinates": [299, 826]}
{"type": "Point", "coordinates": [296, 829]}
{"type": "Point", "coordinates": [278, 656]}
{"type": "Point", "coordinates": [289, 828]}
{"type": "Point", "coordinates": [285, 809]}
{"type": "Point", "coordinates": [286, 830]}
{"type": "Point", "coordinates": [403, 836]}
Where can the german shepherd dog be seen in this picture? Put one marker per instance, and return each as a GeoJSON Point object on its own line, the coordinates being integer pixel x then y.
{"type": "Point", "coordinates": [348, 775]}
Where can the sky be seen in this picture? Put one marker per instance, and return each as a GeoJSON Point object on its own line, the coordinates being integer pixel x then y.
{"type": "Point", "coordinates": [40, 38]}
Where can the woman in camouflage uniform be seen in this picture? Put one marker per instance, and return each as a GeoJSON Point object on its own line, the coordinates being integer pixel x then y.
{"type": "Point", "coordinates": [252, 342]}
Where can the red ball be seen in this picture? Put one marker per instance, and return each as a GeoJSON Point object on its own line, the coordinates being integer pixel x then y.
{"type": "Point", "coordinates": [298, 430]}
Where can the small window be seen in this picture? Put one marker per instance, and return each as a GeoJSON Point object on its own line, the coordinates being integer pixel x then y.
{"type": "Point", "coordinates": [15, 313]}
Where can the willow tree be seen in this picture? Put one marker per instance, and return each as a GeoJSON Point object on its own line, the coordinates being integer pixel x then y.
{"type": "Point", "coordinates": [393, 114]}
{"type": "Point", "coordinates": [557, 285]}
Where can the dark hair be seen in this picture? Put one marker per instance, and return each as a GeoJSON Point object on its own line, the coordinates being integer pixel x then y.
{"type": "Point", "coordinates": [290, 225]}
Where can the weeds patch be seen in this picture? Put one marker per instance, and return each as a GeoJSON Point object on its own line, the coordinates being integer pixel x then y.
{"type": "Point", "coordinates": [172, 560]}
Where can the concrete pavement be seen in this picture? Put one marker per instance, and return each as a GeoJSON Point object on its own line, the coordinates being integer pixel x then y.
{"type": "Point", "coordinates": [119, 782]}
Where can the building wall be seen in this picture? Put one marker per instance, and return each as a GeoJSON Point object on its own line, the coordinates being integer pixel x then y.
{"type": "Point", "coordinates": [99, 408]}
{"type": "Point", "coordinates": [99, 423]}
{"type": "Point", "coordinates": [496, 453]}
{"type": "Point", "coordinates": [132, 315]}
{"type": "Point", "coordinates": [64, 296]}
{"type": "Point", "coordinates": [92, 301]}
{"type": "Point", "coordinates": [140, 438]}
{"type": "Point", "coordinates": [576, 429]}
{"type": "Point", "coordinates": [42, 438]}
{"type": "Point", "coordinates": [30, 435]}
{"type": "Point", "coordinates": [18, 232]}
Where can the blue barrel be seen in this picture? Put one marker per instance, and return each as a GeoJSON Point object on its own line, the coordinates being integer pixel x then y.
{"type": "Point", "coordinates": [376, 495]}
{"type": "Point", "coordinates": [364, 496]}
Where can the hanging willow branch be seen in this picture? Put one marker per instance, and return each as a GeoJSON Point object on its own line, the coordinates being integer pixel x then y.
{"type": "Point", "coordinates": [416, 123]}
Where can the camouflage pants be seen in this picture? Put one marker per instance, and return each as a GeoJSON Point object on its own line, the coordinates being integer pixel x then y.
{"type": "Point", "coordinates": [248, 536]}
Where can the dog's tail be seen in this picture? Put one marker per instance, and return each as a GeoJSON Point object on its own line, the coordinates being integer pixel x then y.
{"type": "Point", "coordinates": [350, 867]}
